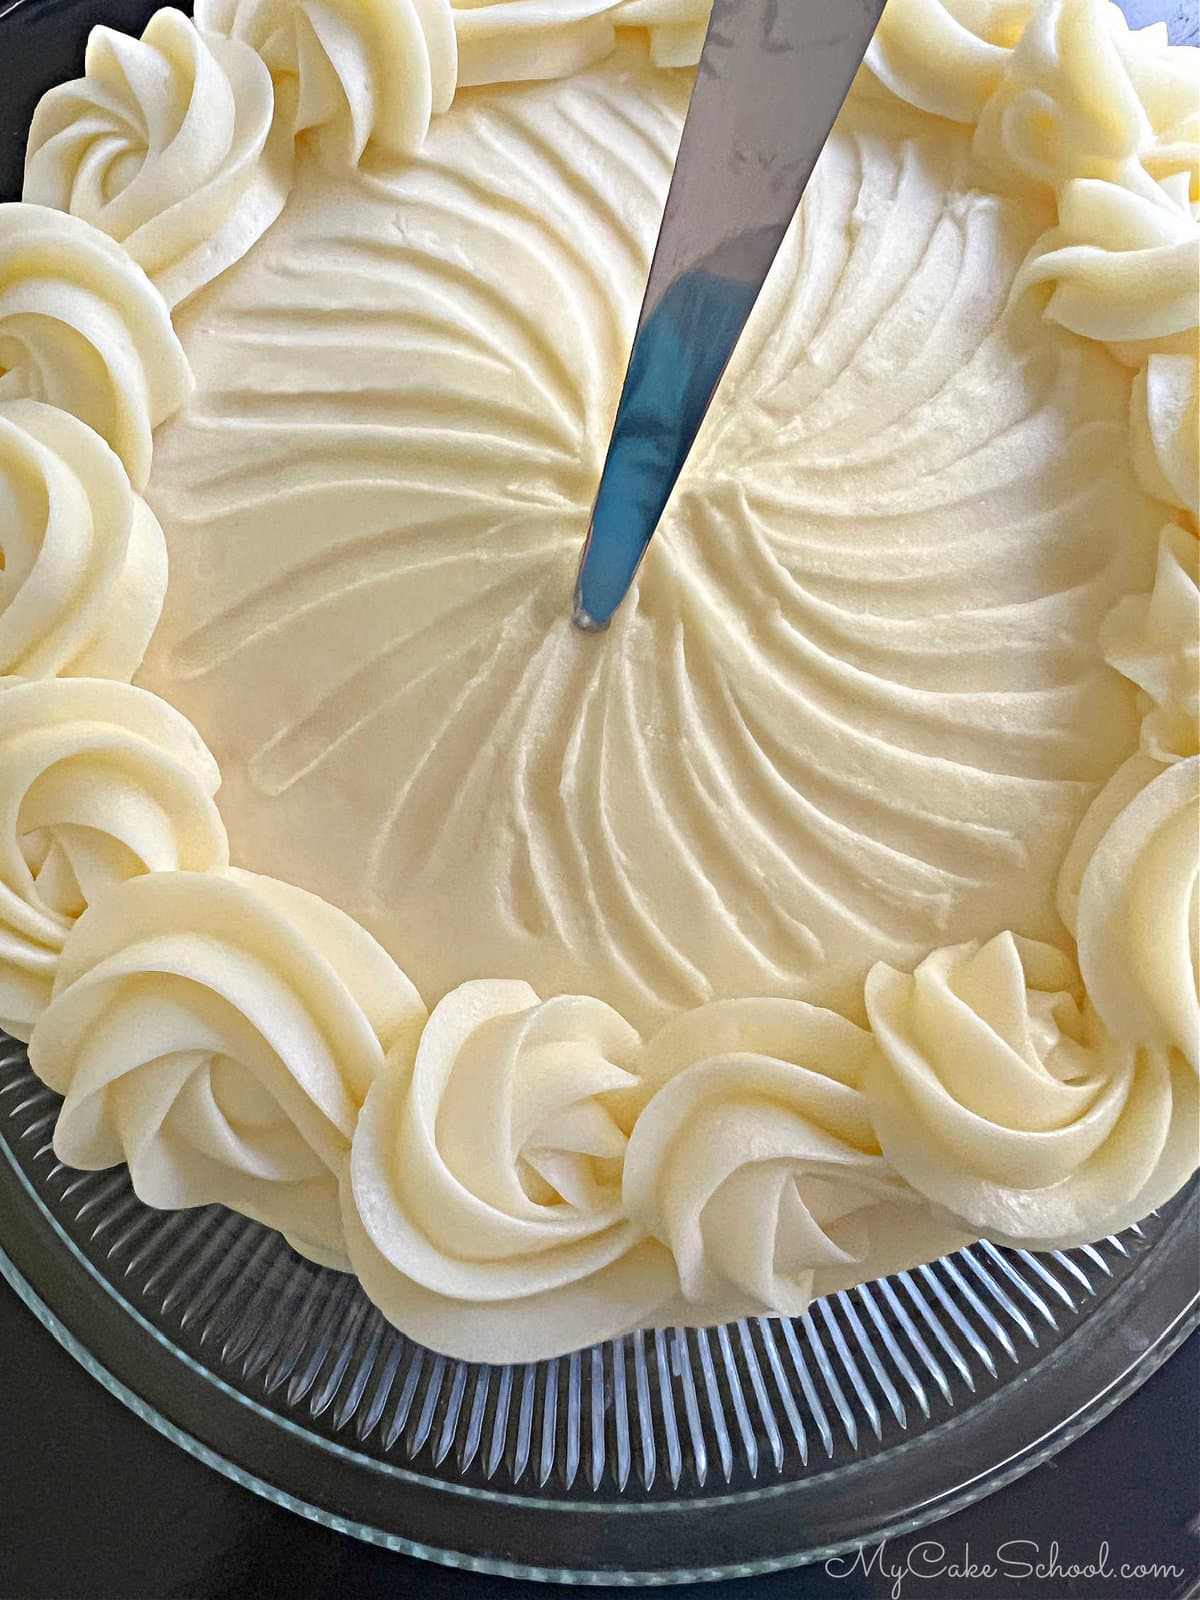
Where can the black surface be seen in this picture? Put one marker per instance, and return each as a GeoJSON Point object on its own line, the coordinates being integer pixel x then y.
{"type": "Point", "coordinates": [95, 1504]}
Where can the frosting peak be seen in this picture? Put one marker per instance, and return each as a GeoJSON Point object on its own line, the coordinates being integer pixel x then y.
{"type": "Point", "coordinates": [85, 565]}
{"type": "Point", "coordinates": [483, 1202]}
{"type": "Point", "coordinates": [218, 1033]}
{"type": "Point", "coordinates": [358, 73]}
{"type": "Point", "coordinates": [166, 145]}
{"type": "Point", "coordinates": [99, 782]}
{"type": "Point", "coordinates": [83, 329]}
{"type": "Point", "coordinates": [994, 1095]}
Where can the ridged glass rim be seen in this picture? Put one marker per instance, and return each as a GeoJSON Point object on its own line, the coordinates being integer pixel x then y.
{"type": "Point", "coordinates": [1128, 1336]}
{"type": "Point", "coordinates": [971, 1493]}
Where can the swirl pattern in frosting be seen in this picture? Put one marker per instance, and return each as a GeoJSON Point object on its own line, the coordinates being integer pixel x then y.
{"type": "Point", "coordinates": [483, 1204]}
{"type": "Point", "coordinates": [994, 1096]}
{"type": "Point", "coordinates": [1166, 430]}
{"type": "Point", "coordinates": [358, 73]}
{"type": "Point", "coordinates": [1152, 639]}
{"type": "Point", "coordinates": [83, 329]}
{"type": "Point", "coordinates": [755, 1162]}
{"type": "Point", "coordinates": [701, 809]}
{"type": "Point", "coordinates": [85, 565]}
{"type": "Point", "coordinates": [1083, 96]}
{"type": "Point", "coordinates": [1132, 894]}
{"type": "Point", "coordinates": [218, 1032]}
{"type": "Point", "coordinates": [99, 782]}
{"type": "Point", "coordinates": [1123, 267]}
{"type": "Point", "coordinates": [1108, 119]}
{"type": "Point", "coordinates": [947, 57]}
{"type": "Point", "coordinates": [166, 145]}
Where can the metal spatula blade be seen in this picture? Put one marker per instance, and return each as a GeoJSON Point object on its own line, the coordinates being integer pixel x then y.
{"type": "Point", "coordinates": [772, 78]}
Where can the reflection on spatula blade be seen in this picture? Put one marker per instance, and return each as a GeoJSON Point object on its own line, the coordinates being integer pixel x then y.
{"type": "Point", "coordinates": [771, 81]}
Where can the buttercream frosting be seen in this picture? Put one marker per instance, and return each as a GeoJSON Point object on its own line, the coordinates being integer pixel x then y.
{"type": "Point", "coordinates": [700, 809]}
{"type": "Point", "coordinates": [218, 1032]}
{"type": "Point", "coordinates": [83, 329]}
{"type": "Point", "coordinates": [947, 57]}
{"type": "Point", "coordinates": [1137, 915]}
{"type": "Point", "coordinates": [1152, 640]}
{"type": "Point", "coordinates": [520, 40]}
{"type": "Point", "coordinates": [358, 73]}
{"type": "Point", "coordinates": [754, 1159]}
{"type": "Point", "coordinates": [1166, 430]}
{"type": "Point", "coordinates": [85, 565]}
{"type": "Point", "coordinates": [996, 1097]}
{"type": "Point", "coordinates": [1108, 119]}
{"type": "Point", "coordinates": [896, 735]}
{"type": "Point", "coordinates": [99, 782]}
{"type": "Point", "coordinates": [170, 145]}
{"type": "Point", "coordinates": [483, 1200]}
{"type": "Point", "coordinates": [539, 1177]}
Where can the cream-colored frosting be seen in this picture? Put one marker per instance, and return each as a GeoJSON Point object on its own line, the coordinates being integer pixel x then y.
{"type": "Point", "coordinates": [82, 328]}
{"type": "Point", "coordinates": [366, 76]}
{"type": "Point", "coordinates": [483, 1207]}
{"type": "Point", "coordinates": [1110, 120]}
{"type": "Point", "coordinates": [994, 1096]}
{"type": "Point", "coordinates": [513, 41]}
{"type": "Point", "coordinates": [218, 1032]}
{"type": "Point", "coordinates": [1166, 430]}
{"type": "Point", "coordinates": [1085, 97]}
{"type": "Point", "coordinates": [358, 73]}
{"type": "Point", "coordinates": [537, 1177]}
{"type": "Point", "coordinates": [85, 565]}
{"type": "Point", "coordinates": [879, 691]}
{"type": "Point", "coordinates": [1152, 640]}
{"type": "Point", "coordinates": [755, 1161]}
{"type": "Point", "coordinates": [1123, 267]}
{"type": "Point", "coordinates": [947, 57]}
{"type": "Point", "coordinates": [703, 807]}
{"type": "Point", "coordinates": [166, 145]}
{"type": "Point", "coordinates": [99, 782]}
{"type": "Point", "coordinates": [1137, 915]}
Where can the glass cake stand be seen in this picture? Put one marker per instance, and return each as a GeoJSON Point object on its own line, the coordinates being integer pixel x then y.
{"type": "Point", "coordinates": [657, 1458]}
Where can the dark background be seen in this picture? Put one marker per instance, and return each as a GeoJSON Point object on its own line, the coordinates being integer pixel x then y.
{"type": "Point", "coordinates": [95, 1504]}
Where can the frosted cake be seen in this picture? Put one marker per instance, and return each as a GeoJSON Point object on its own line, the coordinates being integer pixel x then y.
{"type": "Point", "coordinates": [835, 909]}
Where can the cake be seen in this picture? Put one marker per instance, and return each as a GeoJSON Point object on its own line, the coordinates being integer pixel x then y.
{"type": "Point", "coordinates": [838, 907]}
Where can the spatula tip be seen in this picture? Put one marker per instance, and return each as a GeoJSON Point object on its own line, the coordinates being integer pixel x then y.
{"type": "Point", "coordinates": [585, 622]}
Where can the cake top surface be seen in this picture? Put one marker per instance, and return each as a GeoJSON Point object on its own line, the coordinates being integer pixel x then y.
{"type": "Point", "coordinates": [857, 705]}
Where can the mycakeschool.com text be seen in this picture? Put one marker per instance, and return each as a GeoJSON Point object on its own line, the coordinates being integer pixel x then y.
{"type": "Point", "coordinates": [1015, 1560]}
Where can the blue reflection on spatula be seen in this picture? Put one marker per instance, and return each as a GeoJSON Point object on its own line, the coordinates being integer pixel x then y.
{"type": "Point", "coordinates": [772, 77]}
{"type": "Point", "coordinates": [667, 389]}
